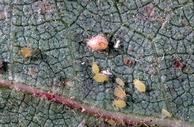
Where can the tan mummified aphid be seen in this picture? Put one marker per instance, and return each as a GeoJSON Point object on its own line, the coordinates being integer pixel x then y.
{"type": "Point", "coordinates": [27, 52]}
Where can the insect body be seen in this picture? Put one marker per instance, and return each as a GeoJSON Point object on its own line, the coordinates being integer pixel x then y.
{"type": "Point", "coordinates": [166, 114]}
{"type": "Point", "coordinates": [27, 52]}
{"type": "Point", "coordinates": [120, 92]}
{"type": "Point", "coordinates": [139, 85]}
{"type": "Point", "coordinates": [98, 43]}
{"type": "Point", "coordinates": [119, 103]}
{"type": "Point", "coordinates": [101, 78]}
{"type": "Point", "coordinates": [120, 82]}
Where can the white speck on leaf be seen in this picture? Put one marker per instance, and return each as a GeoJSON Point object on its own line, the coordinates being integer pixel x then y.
{"type": "Point", "coordinates": [117, 44]}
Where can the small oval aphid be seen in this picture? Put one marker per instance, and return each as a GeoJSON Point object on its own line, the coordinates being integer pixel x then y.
{"type": "Point", "coordinates": [95, 68]}
{"type": "Point", "coordinates": [120, 82]}
{"type": "Point", "coordinates": [119, 92]}
{"type": "Point", "coordinates": [3, 66]}
{"type": "Point", "coordinates": [118, 103]}
{"type": "Point", "coordinates": [26, 52]}
{"type": "Point", "coordinates": [111, 122]}
{"type": "Point", "coordinates": [101, 78]}
{"type": "Point", "coordinates": [166, 114]}
{"type": "Point", "coordinates": [139, 85]}
{"type": "Point", "coordinates": [98, 43]}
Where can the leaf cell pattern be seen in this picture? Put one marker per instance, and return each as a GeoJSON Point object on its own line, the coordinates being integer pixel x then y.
{"type": "Point", "coordinates": [157, 36]}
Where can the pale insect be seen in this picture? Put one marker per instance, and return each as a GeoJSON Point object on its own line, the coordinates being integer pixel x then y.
{"type": "Point", "coordinates": [118, 103]}
{"type": "Point", "coordinates": [95, 68]}
{"type": "Point", "coordinates": [120, 82]}
{"type": "Point", "coordinates": [27, 52]}
{"type": "Point", "coordinates": [139, 85]}
{"type": "Point", "coordinates": [166, 114]}
{"type": "Point", "coordinates": [120, 92]}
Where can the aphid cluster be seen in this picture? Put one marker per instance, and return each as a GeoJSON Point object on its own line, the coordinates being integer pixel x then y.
{"type": "Point", "coordinates": [120, 94]}
{"type": "Point", "coordinates": [26, 52]}
{"type": "Point", "coordinates": [98, 76]}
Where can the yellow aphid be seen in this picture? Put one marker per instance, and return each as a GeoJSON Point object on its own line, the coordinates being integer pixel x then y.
{"type": "Point", "coordinates": [139, 85]}
{"type": "Point", "coordinates": [26, 52]}
{"type": "Point", "coordinates": [101, 78]}
{"type": "Point", "coordinates": [166, 114]}
{"type": "Point", "coordinates": [119, 92]}
{"type": "Point", "coordinates": [120, 82]}
{"type": "Point", "coordinates": [111, 122]}
{"type": "Point", "coordinates": [118, 103]}
{"type": "Point", "coordinates": [95, 68]}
